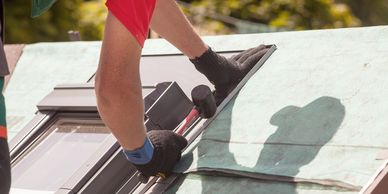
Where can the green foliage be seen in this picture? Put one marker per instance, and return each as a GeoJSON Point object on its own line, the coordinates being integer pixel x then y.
{"type": "Point", "coordinates": [210, 17]}
{"type": "Point", "coordinates": [285, 14]}
{"type": "Point", "coordinates": [65, 15]}
{"type": "Point", "coordinates": [370, 12]}
{"type": "Point", "coordinates": [21, 28]}
{"type": "Point", "coordinates": [91, 23]}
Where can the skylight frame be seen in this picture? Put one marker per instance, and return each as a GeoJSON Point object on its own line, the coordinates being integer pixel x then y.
{"type": "Point", "coordinates": [91, 163]}
{"type": "Point", "coordinates": [52, 112]}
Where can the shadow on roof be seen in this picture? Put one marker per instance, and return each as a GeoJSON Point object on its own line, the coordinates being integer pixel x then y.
{"type": "Point", "coordinates": [301, 133]}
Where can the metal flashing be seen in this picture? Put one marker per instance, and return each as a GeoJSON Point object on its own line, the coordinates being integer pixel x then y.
{"type": "Point", "coordinates": [22, 138]}
{"type": "Point", "coordinates": [169, 109]}
{"type": "Point", "coordinates": [76, 97]}
{"type": "Point", "coordinates": [378, 183]}
{"type": "Point", "coordinates": [117, 169]}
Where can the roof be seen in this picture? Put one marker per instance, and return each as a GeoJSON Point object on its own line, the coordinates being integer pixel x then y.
{"type": "Point", "coordinates": [309, 121]}
{"type": "Point", "coordinates": [43, 66]}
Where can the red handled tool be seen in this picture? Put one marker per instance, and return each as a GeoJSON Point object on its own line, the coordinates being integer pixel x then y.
{"type": "Point", "coordinates": [204, 107]}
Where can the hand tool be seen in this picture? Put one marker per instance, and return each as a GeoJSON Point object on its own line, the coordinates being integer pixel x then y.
{"type": "Point", "coordinates": [204, 107]}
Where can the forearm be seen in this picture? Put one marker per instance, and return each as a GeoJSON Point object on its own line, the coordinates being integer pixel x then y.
{"type": "Point", "coordinates": [170, 23]}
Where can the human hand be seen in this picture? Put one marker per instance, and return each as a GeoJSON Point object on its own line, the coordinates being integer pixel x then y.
{"type": "Point", "coordinates": [167, 148]}
{"type": "Point", "coordinates": [225, 73]}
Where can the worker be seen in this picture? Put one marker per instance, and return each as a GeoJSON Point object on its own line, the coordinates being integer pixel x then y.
{"type": "Point", "coordinates": [5, 174]}
{"type": "Point", "coordinates": [118, 86]}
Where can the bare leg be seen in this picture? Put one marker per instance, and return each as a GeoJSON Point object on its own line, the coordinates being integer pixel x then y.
{"type": "Point", "coordinates": [118, 87]}
{"type": "Point", "coordinates": [170, 23]}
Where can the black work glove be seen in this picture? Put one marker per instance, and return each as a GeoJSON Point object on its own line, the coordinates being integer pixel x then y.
{"type": "Point", "coordinates": [225, 73]}
{"type": "Point", "coordinates": [167, 152]}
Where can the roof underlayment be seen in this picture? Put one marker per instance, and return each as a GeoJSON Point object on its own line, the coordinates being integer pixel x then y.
{"type": "Point", "coordinates": [313, 114]}
{"type": "Point", "coordinates": [311, 120]}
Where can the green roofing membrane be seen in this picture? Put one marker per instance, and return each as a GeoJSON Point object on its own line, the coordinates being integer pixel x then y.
{"type": "Point", "coordinates": [313, 114]}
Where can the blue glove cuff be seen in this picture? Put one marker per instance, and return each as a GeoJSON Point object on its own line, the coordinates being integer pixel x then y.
{"type": "Point", "coordinates": [141, 155]}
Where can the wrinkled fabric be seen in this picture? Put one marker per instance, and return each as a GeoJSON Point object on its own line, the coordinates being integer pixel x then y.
{"type": "Point", "coordinates": [194, 183]}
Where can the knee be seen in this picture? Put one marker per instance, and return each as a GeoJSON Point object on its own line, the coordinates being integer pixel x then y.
{"type": "Point", "coordinates": [111, 87]}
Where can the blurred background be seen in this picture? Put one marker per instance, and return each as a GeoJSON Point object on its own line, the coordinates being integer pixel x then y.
{"type": "Point", "coordinates": [210, 17]}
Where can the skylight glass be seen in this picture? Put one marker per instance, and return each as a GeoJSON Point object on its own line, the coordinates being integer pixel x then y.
{"type": "Point", "coordinates": [58, 154]}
